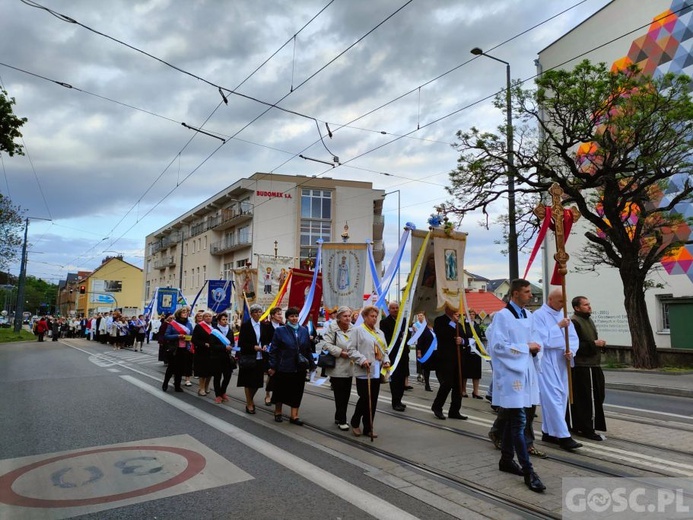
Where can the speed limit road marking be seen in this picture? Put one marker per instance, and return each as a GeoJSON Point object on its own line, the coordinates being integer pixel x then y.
{"type": "Point", "coordinates": [61, 485]}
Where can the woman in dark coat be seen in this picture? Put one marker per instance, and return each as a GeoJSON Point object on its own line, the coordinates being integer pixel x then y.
{"type": "Point", "coordinates": [222, 364]}
{"type": "Point", "coordinates": [201, 339]}
{"type": "Point", "coordinates": [179, 332]}
{"type": "Point", "coordinates": [253, 345]}
{"type": "Point", "coordinates": [288, 374]}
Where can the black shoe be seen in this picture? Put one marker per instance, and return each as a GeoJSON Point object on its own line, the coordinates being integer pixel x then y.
{"type": "Point", "coordinates": [545, 437]}
{"type": "Point", "coordinates": [179, 389]}
{"type": "Point", "coordinates": [488, 398]}
{"type": "Point", "coordinates": [164, 387]}
{"type": "Point", "coordinates": [296, 421]}
{"type": "Point", "coordinates": [439, 414]}
{"type": "Point", "coordinates": [428, 389]}
{"type": "Point", "coordinates": [409, 388]}
{"type": "Point", "coordinates": [457, 415]}
{"type": "Point", "coordinates": [399, 407]}
{"type": "Point", "coordinates": [510, 466]}
{"type": "Point", "coordinates": [569, 444]}
{"type": "Point", "coordinates": [248, 410]}
{"type": "Point", "coordinates": [278, 418]}
{"type": "Point", "coordinates": [593, 436]}
{"type": "Point", "coordinates": [533, 483]}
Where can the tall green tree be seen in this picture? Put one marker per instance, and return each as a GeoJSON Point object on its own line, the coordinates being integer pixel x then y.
{"type": "Point", "coordinates": [9, 126]}
{"type": "Point", "coordinates": [10, 231]}
{"type": "Point", "coordinates": [612, 141]}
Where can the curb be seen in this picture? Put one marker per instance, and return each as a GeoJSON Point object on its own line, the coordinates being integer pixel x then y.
{"type": "Point", "coordinates": [651, 389]}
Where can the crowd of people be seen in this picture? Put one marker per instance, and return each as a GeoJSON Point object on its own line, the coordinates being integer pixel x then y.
{"type": "Point", "coordinates": [528, 353]}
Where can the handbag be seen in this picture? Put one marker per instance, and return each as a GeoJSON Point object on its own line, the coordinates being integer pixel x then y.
{"type": "Point", "coordinates": [302, 362]}
{"type": "Point", "coordinates": [326, 360]}
{"type": "Point", "coordinates": [247, 361]}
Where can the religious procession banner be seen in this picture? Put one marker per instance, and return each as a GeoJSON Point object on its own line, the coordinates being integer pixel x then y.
{"type": "Point", "coordinates": [166, 300]}
{"type": "Point", "coordinates": [301, 281]}
{"type": "Point", "coordinates": [272, 272]}
{"type": "Point", "coordinates": [246, 283]}
{"type": "Point", "coordinates": [343, 274]}
{"type": "Point", "coordinates": [441, 279]}
{"type": "Point", "coordinates": [218, 295]}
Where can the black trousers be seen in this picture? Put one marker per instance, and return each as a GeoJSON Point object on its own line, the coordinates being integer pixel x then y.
{"type": "Point", "coordinates": [341, 387]}
{"type": "Point", "coordinates": [222, 376]}
{"type": "Point", "coordinates": [449, 381]}
{"type": "Point", "coordinates": [176, 367]}
{"type": "Point", "coordinates": [361, 411]}
{"type": "Point", "coordinates": [397, 379]}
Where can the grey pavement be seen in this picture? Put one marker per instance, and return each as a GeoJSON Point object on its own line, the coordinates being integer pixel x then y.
{"type": "Point", "coordinates": [678, 384]}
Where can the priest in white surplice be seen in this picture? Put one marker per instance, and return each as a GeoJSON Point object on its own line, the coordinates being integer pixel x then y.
{"type": "Point", "coordinates": [551, 325]}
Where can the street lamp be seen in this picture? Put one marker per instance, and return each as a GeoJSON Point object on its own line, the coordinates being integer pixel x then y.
{"type": "Point", "coordinates": [399, 225]}
{"type": "Point", "coordinates": [512, 230]}
{"type": "Point", "coordinates": [19, 308]}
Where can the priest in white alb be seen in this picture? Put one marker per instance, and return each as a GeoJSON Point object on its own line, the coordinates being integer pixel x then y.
{"type": "Point", "coordinates": [551, 325]}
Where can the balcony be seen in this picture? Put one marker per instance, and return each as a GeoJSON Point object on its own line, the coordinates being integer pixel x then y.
{"type": "Point", "coordinates": [228, 246]}
{"type": "Point", "coordinates": [378, 251]}
{"type": "Point", "coordinates": [378, 227]}
{"type": "Point", "coordinates": [230, 217]}
{"type": "Point", "coordinates": [168, 261]}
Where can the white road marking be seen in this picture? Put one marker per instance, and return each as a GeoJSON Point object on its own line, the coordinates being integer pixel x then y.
{"type": "Point", "coordinates": [348, 492]}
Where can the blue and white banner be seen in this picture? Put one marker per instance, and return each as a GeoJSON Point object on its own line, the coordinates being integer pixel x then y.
{"type": "Point", "coordinates": [166, 300]}
{"type": "Point", "coordinates": [218, 295]}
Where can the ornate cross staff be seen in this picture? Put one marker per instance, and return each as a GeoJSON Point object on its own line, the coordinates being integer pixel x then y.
{"type": "Point", "coordinates": [558, 214]}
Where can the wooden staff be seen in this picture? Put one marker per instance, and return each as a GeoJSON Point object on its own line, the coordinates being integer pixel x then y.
{"type": "Point", "coordinates": [370, 405]}
{"type": "Point", "coordinates": [561, 257]}
{"type": "Point", "coordinates": [459, 347]}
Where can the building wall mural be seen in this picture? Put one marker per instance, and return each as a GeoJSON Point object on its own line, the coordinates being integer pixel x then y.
{"type": "Point", "coordinates": [668, 47]}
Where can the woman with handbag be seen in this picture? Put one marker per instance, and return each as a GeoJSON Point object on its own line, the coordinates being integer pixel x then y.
{"type": "Point", "coordinates": [252, 345]}
{"type": "Point", "coordinates": [179, 332]}
{"type": "Point", "coordinates": [222, 364]}
{"type": "Point", "coordinates": [290, 356]}
{"type": "Point", "coordinates": [367, 348]}
{"type": "Point", "coordinates": [335, 360]}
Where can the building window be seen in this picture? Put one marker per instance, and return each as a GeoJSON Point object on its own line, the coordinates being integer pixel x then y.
{"type": "Point", "coordinates": [185, 278]}
{"type": "Point", "coordinates": [204, 243]}
{"type": "Point", "coordinates": [316, 221]}
{"type": "Point", "coordinates": [186, 249]}
{"type": "Point", "coordinates": [149, 266]}
{"type": "Point", "coordinates": [244, 235]}
{"type": "Point", "coordinates": [146, 290]}
{"type": "Point", "coordinates": [204, 273]}
{"type": "Point", "coordinates": [228, 269]}
{"type": "Point", "coordinates": [198, 276]}
{"type": "Point", "coordinates": [240, 264]}
{"type": "Point", "coordinates": [663, 312]}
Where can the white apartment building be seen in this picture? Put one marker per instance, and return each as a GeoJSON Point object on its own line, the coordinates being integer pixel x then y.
{"type": "Point", "coordinates": [266, 214]}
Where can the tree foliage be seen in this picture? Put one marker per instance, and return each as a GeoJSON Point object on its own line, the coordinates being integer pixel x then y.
{"type": "Point", "coordinates": [612, 141]}
{"type": "Point", "coordinates": [9, 126]}
{"type": "Point", "coordinates": [10, 231]}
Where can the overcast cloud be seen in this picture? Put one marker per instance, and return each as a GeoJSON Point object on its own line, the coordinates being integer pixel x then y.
{"type": "Point", "coordinates": [100, 167]}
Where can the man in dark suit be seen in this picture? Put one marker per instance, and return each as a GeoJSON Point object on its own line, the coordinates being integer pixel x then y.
{"type": "Point", "coordinates": [399, 375]}
{"type": "Point", "coordinates": [451, 338]}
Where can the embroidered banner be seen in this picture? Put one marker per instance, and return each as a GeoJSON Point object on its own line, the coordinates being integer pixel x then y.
{"type": "Point", "coordinates": [301, 281]}
{"type": "Point", "coordinates": [246, 283]}
{"type": "Point", "coordinates": [271, 272]}
{"type": "Point", "coordinates": [166, 300]}
{"type": "Point", "coordinates": [343, 274]}
{"type": "Point", "coordinates": [218, 295]}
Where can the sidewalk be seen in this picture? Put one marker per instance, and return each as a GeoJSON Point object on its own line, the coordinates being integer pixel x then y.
{"type": "Point", "coordinates": [678, 384]}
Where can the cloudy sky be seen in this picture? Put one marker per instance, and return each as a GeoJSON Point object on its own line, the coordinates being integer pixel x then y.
{"type": "Point", "coordinates": [109, 161]}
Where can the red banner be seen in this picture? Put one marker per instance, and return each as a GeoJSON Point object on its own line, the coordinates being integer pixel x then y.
{"type": "Point", "coordinates": [301, 280]}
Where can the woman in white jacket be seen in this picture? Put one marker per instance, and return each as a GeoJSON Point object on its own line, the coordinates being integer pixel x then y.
{"type": "Point", "coordinates": [336, 342]}
{"type": "Point", "coordinates": [367, 348]}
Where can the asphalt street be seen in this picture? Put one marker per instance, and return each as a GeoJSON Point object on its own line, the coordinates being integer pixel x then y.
{"type": "Point", "coordinates": [56, 400]}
